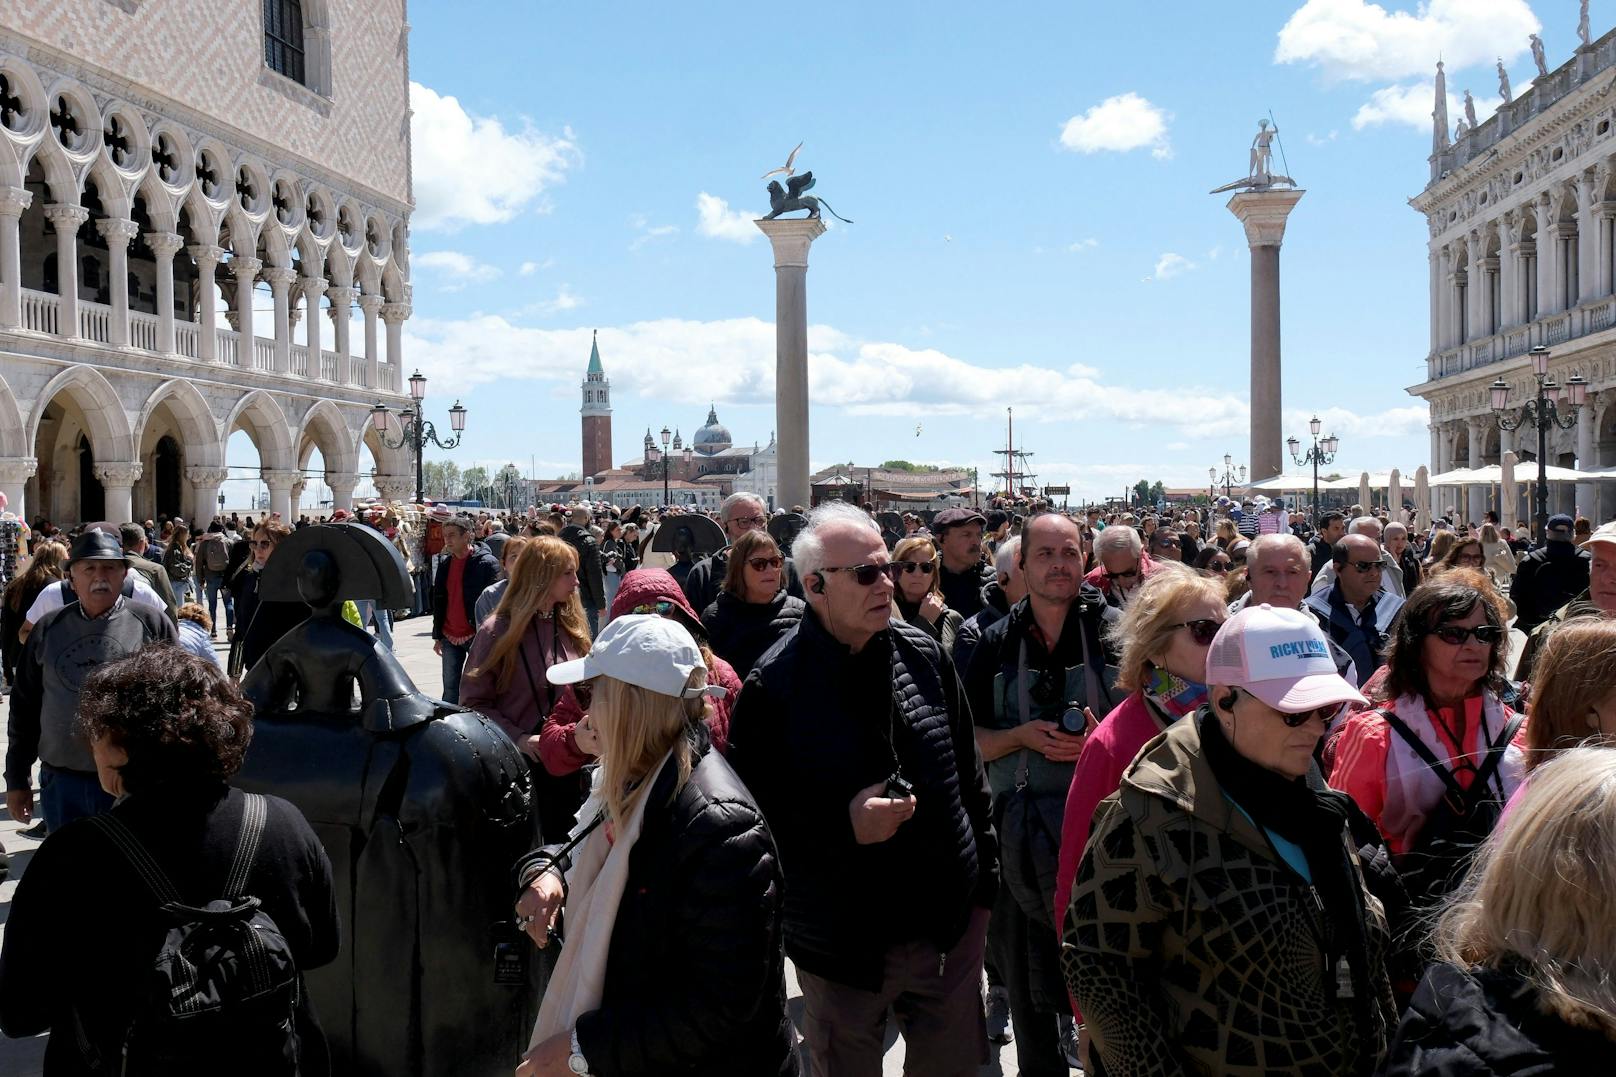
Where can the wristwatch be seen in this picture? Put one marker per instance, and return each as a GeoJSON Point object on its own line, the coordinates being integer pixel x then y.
{"type": "Point", "coordinates": [576, 1061]}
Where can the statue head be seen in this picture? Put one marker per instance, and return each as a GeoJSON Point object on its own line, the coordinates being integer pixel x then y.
{"type": "Point", "coordinates": [775, 190]}
{"type": "Point", "coordinates": [1262, 125]}
{"type": "Point", "coordinates": [318, 579]}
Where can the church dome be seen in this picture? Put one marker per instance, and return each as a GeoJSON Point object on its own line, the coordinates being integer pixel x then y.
{"type": "Point", "coordinates": [712, 437]}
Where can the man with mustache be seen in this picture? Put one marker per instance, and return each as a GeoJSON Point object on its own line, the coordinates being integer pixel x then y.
{"type": "Point", "coordinates": [63, 648]}
{"type": "Point", "coordinates": [963, 572]}
{"type": "Point", "coordinates": [1036, 683]}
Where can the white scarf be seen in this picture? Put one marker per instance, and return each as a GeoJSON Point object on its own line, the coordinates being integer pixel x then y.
{"type": "Point", "coordinates": [595, 887]}
{"type": "Point", "coordinates": [1413, 788]}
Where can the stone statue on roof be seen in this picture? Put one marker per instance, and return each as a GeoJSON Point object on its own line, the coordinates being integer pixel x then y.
{"type": "Point", "coordinates": [1470, 109]}
{"type": "Point", "coordinates": [1538, 56]}
{"type": "Point", "coordinates": [1582, 25]}
{"type": "Point", "coordinates": [1503, 81]}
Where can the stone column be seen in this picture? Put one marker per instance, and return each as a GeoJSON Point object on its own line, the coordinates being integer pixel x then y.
{"type": "Point", "coordinates": [342, 488]}
{"type": "Point", "coordinates": [397, 487]}
{"type": "Point", "coordinates": [1547, 248]}
{"type": "Point", "coordinates": [791, 240]}
{"type": "Point", "coordinates": [118, 480]}
{"type": "Point", "coordinates": [164, 246]}
{"type": "Point", "coordinates": [1589, 184]}
{"type": "Point", "coordinates": [1565, 265]}
{"type": "Point", "coordinates": [371, 305]}
{"type": "Point", "coordinates": [1588, 419]}
{"type": "Point", "coordinates": [1422, 498]}
{"type": "Point", "coordinates": [1475, 493]}
{"type": "Point", "coordinates": [67, 220]}
{"type": "Point", "coordinates": [341, 312]}
{"type": "Point", "coordinates": [1436, 446]}
{"type": "Point", "coordinates": [1508, 270]}
{"type": "Point", "coordinates": [297, 499]}
{"type": "Point", "coordinates": [205, 483]}
{"type": "Point", "coordinates": [118, 233]}
{"type": "Point", "coordinates": [394, 315]}
{"type": "Point", "coordinates": [1489, 320]}
{"type": "Point", "coordinates": [1605, 218]}
{"type": "Point", "coordinates": [313, 289]}
{"type": "Point", "coordinates": [280, 482]}
{"type": "Point", "coordinates": [13, 200]}
{"type": "Point", "coordinates": [1263, 213]}
{"type": "Point", "coordinates": [246, 271]}
{"type": "Point", "coordinates": [207, 318]}
{"type": "Point", "coordinates": [1434, 261]}
{"type": "Point", "coordinates": [280, 280]}
{"type": "Point", "coordinates": [14, 475]}
{"type": "Point", "coordinates": [1442, 286]}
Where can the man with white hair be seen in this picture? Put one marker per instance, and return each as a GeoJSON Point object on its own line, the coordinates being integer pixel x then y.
{"type": "Point", "coordinates": [1391, 573]}
{"type": "Point", "coordinates": [740, 513]}
{"type": "Point", "coordinates": [1008, 588]}
{"type": "Point", "coordinates": [845, 727]}
{"type": "Point", "coordinates": [1123, 565]}
{"type": "Point", "coordinates": [1276, 572]}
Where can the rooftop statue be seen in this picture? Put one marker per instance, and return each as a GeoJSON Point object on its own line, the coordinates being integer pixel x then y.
{"type": "Point", "coordinates": [792, 199]}
{"type": "Point", "coordinates": [1261, 175]}
{"type": "Point", "coordinates": [1582, 25]}
{"type": "Point", "coordinates": [1470, 109]}
{"type": "Point", "coordinates": [1538, 56]}
{"type": "Point", "coordinates": [1503, 80]}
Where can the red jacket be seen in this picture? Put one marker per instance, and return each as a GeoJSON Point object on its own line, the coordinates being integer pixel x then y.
{"type": "Point", "coordinates": [1098, 578]}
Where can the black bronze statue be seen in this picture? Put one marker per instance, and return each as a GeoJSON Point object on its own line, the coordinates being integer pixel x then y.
{"type": "Point", "coordinates": [422, 808]}
{"type": "Point", "coordinates": [793, 199]}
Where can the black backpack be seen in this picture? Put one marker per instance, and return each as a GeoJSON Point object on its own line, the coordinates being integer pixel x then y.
{"type": "Point", "coordinates": [1440, 855]}
{"type": "Point", "coordinates": [223, 988]}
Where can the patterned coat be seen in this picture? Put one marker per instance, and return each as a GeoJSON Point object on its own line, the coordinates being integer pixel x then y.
{"type": "Point", "coordinates": [1193, 949]}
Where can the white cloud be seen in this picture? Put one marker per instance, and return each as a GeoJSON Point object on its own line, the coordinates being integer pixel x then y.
{"type": "Point", "coordinates": [649, 232]}
{"type": "Point", "coordinates": [472, 170]}
{"type": "Point", "coordinates": [528, 269]}
{"type": "Point", "coordinates": [563, 301]}
{"type": "Point", "coordinates": [1171, 265]}
{"type": "Point", "coordinates": [717, 220]}
{"type": "Point", "coordinates": [1412, 105]}
{"type": "Point", "coordinates": [1122, 123]}
{"type": "Point", "coordinates": [458, 269]}
{"type": "Point", "coordinates": [1084, 244]}
{"type": "Point", "coordinates": [1354, 40]}
{"type": "Point", "coordinates": [1321, 140]}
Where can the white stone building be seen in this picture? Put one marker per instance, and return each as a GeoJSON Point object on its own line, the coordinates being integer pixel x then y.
{"type": "Point", "coordinates": [204, 213]}
{"type": "Point", "coordinates": [1521, 212]}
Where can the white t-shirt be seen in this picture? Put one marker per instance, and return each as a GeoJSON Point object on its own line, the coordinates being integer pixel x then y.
{"type": "Point", "coordinates": [51, 598]}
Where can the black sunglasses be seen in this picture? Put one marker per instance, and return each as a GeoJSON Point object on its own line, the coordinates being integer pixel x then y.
{"type": "Point", "coordinates": [866, 575]}
{"type": "Point", "coordinates": [1218, 566]}
{"type": "Point", "coordinates": [928, 567]}
{"type": "Point", "coordinates": [1296, 721]}
{"type": "Point", "coordinates": [1365, 566]}
{"type": "Point", "coordinates": [1456, 636]}
{"type": "Point", "coordinates": [1128, 575]}
{"type": "Point", "coordinates": [758, 564]}
{"type": "Point", "coordinates": [1202, 630]}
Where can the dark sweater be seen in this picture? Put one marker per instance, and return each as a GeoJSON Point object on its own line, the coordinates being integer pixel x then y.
{"type": "Point", "coordinates": [83, 927]}
{"type": "Point", "coordinates": [742, 632]}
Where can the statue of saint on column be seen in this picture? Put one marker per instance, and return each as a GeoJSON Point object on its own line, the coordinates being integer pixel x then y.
{"type": "Point", "coordinates": [1260, 175]}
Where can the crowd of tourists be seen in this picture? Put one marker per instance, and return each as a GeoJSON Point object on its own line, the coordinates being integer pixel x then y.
{"type": "Point", "coordinates": [1213, 789]}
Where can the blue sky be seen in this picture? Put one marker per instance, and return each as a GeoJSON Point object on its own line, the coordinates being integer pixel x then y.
{"type": "Point", "coordinates": [1033, 227]}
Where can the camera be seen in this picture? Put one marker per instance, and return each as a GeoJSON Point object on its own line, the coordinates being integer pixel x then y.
{"type": "Point", "coordinates": [898, 787]}
{"type": "Point", "coordinates": [1073, 720]}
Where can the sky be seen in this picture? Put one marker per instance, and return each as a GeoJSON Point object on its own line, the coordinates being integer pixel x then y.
{"type": "Point", "coordinates": [1032, 225]}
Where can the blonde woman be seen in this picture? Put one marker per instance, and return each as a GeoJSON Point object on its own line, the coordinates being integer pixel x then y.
{"type": "Point", "coordinates": [673, 960]}
{"type": "Point", "coordinates": [919, 591]}
{"type": "Point", "coordinates": [1500, 559]}
{"type": "Point", "coordinates": [1525, 980]}
{"type": "Point", "coordinates": [539, 623]}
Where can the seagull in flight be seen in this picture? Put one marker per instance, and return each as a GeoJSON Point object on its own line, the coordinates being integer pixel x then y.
{"type": "Point", "coordinates": [788, 168]}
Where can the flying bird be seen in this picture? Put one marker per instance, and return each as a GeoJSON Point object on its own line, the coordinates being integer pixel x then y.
{"type": "Point", "coordinates": [788, 169]}
{"type": "Point", "coordinates": [917, 430]}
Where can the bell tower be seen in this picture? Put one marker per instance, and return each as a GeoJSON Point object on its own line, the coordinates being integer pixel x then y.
{"type": "Point", "coordinates": [597, 415]}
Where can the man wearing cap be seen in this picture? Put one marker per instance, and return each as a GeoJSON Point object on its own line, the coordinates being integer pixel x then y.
{"type": "Point", "coordinates": [1357, 611]}
{"type": "Point", "coordinates": [1220, 921]}
{"type": "Point", "coordinates": [466, 569]}
{"type": "Point", "coordinates": [98, 626]}
{"type": "Point", "coordinates": [963, 572]}
{"type": "Point", "coordinates": [853, 735]}
{"type": "Point", "coordinates": [1599, 600]}
{"type": "Point", "coordinates": [1548, 577]}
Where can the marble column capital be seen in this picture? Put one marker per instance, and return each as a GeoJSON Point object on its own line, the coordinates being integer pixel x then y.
{"type": "Point", "coordinates": [119, 473]}
{"type": "Point", "coordinates": [64, 217]}
{"type": "Point", "coordinates": [245, 267]}
{"type": "Point", "coordinates": [341, 294]}
{"type": "Point", "coordinates": [18, 468]}
{"type": "Point", "coordinates": [279, 278]}
{"type": "Point", "coordinates": [791, 239]}
{"type": "Point", "coordinates": [314, 287]}
{"type": "Point", "coordinates": [206, 476]}
{"type": "Point", "coordinates": [394, 487]}
{"type": "Point", "coordinates": [371, 304]}
{"type": "Point", "coordinates": [116, 230]}
{"type": "Point", "coordinates": [206, 255]}
{"type": "Point", "coordinates": [280, 479]}
{"type": "Point", "coordinates": [393, 313]}
{"type": "Point", "coordinates": [164, 244]}
{"type": "Point", "coordinates": [13, 200]}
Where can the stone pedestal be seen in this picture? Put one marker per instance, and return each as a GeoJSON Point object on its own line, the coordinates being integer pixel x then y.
{"type": "Point", "coordinates": [1422, 497]}
{"type": "Point", "coordinates": [791, 240]}
{"type": "Point", "coordinates": [1263, 213]}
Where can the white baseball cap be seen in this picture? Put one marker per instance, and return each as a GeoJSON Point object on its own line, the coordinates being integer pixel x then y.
{"type": "Point", "coordinates": [1604, 533]}
{"type": "Point", "coordinates": [1280, 656]}
{"type": "Point", "coordinates": [640, 649]}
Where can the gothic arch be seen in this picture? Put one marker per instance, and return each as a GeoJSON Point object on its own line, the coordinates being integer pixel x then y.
{"type": "Point", "coordinates": [58, 170]}
{"type": "Point", "coordinates": [11, 174]}
{"type": "Point", "coordinates": [110, 436]}
{"type": "Point", "coordinates": [265, 422]}
{"type": "Point", "coordinates": [324, 428]}
{"type": "Point", "coordinates": [13, 437]}
{"type": "Point", "coordinates": [202, 442]}
{"type": "Point", "coordinates": [159, 203]}
{"type": "Point", "coordinates": [110, 186]}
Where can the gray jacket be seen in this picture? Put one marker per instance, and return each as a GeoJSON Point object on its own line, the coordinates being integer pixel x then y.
{"type": "Point", "coordinates": [62, 650]}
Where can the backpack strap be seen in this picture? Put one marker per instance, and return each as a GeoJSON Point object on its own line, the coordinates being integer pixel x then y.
{"type": "Point", "coordinates": [1495, 753]}
{"type": "Point", "coordinates": [139, 859]}
{"type": "Point", "coordinates": [255, 811]}
{"type": "Point", "coordinates": [1457, 796]}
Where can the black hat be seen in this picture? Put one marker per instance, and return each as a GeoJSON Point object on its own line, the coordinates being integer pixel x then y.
{"type": "Point", "coordinates": [953, 518]}
{"type": "Point", "coordinates": [97, 546]}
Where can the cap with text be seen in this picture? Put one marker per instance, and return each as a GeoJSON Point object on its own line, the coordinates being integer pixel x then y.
{"type": "Point", "coordinates": [652, 652]}
{"type": "Point", "coordinates": [1281, 656]}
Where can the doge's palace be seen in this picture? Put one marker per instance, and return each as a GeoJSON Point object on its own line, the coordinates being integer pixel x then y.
{"type": "Point", "coordinates": [1521, 211]}
{"type": "Point", "coordinates": [204, 228]}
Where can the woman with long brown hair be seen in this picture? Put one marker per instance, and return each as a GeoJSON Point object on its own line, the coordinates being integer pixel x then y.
{"type": "Point", "coordinates": [47, 566]}
{"type": "Point", "coordinates": [538, 623]}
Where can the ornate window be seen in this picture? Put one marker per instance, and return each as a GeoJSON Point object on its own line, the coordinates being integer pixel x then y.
{"type": "Point", "coordinates": [283, 38]}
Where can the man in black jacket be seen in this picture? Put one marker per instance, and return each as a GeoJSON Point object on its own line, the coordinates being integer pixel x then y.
{"type": "Point", "coordinates": [1321, 551]}
{"type": "Point", "coordinates": [854, 736]}
{"type": "Point", "coordinates": [1032, 683]}
{"type": "Point", "coordinates": [1548, 577]}
{"type": "Point", "coordinates": [740, 513]}
{"type": "Point", "coordinates": [468, 568]}
{"type": "Point", "coordinates": [591, 580]}
{"type": "Point", "coordinates": [963, 572]}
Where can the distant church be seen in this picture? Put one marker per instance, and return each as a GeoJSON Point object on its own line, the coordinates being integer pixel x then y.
{"type": "Point", "coordinates": [597, 414]}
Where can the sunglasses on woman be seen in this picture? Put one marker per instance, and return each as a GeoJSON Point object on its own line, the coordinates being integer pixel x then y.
{"type": "Point", "coordinates": [1454, 635]}
{"type": "Point", "coordinates": [927, 567]}
{"type": "Point", "coordinates": [758, 564]}
{"type": "Point", "coordinates": [1202, 630]}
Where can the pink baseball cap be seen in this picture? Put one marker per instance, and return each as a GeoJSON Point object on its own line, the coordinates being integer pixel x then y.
{"type": "Point", "coordinates": [1280, 656]}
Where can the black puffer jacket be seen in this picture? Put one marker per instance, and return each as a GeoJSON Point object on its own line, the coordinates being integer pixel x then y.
{"type": "Point", "coordinates": [695, 979]}
{"type": "Point", "coordinates": [816, 724]}
{"type": "Point", "coordinates": [995, 607]}
{"type": "Point", "coordinates": [962, 591]}
{"type": "Point", "coordinates": [1483, 1022]}
{"type": "Point", "coordinates": [591, 581]}
{"type": "Point", "coordinates": [706, 579]}
{"type": "Point", "coordinates": [741, 632]}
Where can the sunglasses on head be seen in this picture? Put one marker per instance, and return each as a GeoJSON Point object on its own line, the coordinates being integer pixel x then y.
{"type": "Point", "coordinates": [1202, 630]}
{"type": "Point", "coordinates": [1457, 636]}
{"type": "Point", "coordinates": [758, 564]}
{"type": "Point", "coordinates": [926, 567]}
{"type": "Point", "coordinates": [659, 608]}
{"type": "Point", "coordinates": [866, 575]}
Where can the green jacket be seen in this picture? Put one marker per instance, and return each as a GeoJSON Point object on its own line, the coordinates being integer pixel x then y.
{"type": "Point", "coordinates": [1192, 948]}
{"type": "Point", "coordinates": [1578, 608]}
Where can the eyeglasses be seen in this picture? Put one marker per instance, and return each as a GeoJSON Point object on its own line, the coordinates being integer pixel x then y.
{"type": "Point", "coordinates": [866, 575]}
{"type": "Point", "coordinates": [1365, 567]}
{"type": "Point", "coordinates": [1296, 721]}
{"type": "Point", "coordinates": [1218, 566]}
{"type": "Point", "coordinates": [927, 567]}
{"type": "Point", "coordinates": [659, 608]}
{"type": "Point", "coordinates": [262, 544]}
{"type": "Point", "coordinates": [1168, 544]}
{"type": "Point", "coordinates": [748, 521]}
{"type": "Point", "coordinates": [1202, 630]}
{"type": "Point", "coordinates": [758, 564]}
{"type": "Point", "coordinates": [1128, 575]}
{"type": "Point", "coordinates": [1456, 635]}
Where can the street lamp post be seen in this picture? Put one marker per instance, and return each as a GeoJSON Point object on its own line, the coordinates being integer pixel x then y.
{"type": "Point", "coordinates": [1229, 474]}
{"type": "Point", "coordinates": [1541, 413]}
{"type": "Point", "coordinates": [1322, 452]}
{"type": "Point", "coordinates": [416, 430]}
{"type": "Point", "coordinates": [666, 437]}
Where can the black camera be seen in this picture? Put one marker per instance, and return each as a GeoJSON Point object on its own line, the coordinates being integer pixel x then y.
{"type": "Point", "coordinates": [1073, 720]}
{"type": "Point", "coordinates": [898, 787]}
